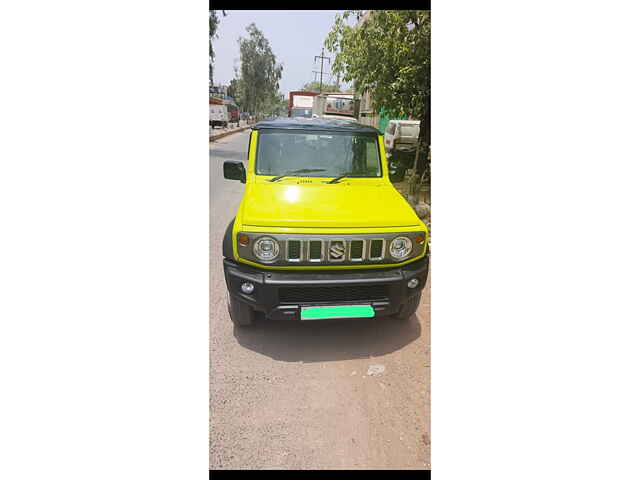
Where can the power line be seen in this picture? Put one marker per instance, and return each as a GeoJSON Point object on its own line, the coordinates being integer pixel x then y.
{"type": "Point", "coordinates": [315, 78]}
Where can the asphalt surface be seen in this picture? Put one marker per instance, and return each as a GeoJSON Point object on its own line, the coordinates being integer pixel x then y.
{"type": "Point", "coordinates": [298, 395]}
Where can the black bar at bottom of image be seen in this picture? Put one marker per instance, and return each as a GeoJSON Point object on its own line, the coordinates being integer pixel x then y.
{"type": "Point", "coordinates": [428, 477]}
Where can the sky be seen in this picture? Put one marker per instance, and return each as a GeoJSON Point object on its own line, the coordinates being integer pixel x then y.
{"type": "Point", "coordinates": [296, 37]}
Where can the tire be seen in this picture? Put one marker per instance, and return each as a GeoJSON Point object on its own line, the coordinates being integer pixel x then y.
{"type": "Point", "coordinates": [241, 314]}
{"type": "Point", "coordinates": [409, 308]}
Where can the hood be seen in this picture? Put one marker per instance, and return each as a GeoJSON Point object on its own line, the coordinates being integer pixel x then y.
{"type": "Point", "coordinates": [310, 203]}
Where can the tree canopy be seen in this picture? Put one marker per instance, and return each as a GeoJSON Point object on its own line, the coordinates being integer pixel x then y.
{"type": "Point", "coordinates": [277, 104]}
{"type": "Point", "coordinates": [326, 87]}
{"type": "Point", "coordinates": [388, 54]}
{"type": "Point", "coordinates": [259, 74]}
{"type": "Point", "coordinates": [214, 21]}
{"type": "Point", "coordinates": [232, 91]}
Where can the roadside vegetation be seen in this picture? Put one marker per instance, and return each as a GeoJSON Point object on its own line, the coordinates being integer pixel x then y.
{"type": "Point", "coordinates": [257, 80]}
{"type": "Point", "coordinates": [388, 54]}
{"type": "Point", "coordinates": [214, 21]}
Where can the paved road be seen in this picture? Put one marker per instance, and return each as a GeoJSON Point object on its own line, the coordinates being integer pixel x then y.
{"type": "Point", "coordinates": [297, 396]}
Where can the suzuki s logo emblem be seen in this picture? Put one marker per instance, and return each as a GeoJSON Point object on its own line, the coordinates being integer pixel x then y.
{"type": "Point", "coordinates": [337, 250]}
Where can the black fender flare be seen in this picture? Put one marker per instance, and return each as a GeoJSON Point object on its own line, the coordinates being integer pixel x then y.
{"type": "Point", "coordinates": [227, 241]}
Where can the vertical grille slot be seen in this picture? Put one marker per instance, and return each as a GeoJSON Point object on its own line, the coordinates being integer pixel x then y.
{"type": "Point", "coordinates": [315, 250]}
{"type": "Point", "coordinates": [357, 249]}
{"type": "Point", "coordinates": [294, 250]}
{"type": "Point", "coordinates": [375, 249]}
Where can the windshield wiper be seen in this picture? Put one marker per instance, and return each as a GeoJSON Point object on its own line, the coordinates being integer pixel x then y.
{"type": "Point", "coordinates": [291, 172]}
{"type": "Point", "coordinates": [348, 174]}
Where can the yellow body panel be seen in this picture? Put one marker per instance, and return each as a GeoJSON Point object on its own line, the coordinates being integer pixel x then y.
{"type": "Point", "coordinates": [308, 205]}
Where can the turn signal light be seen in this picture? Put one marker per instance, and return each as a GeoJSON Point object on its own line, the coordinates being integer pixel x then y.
{"type": "Point", "coordinates": [420, 238]}
{"type": "Point", "coordinates": [243, 240]}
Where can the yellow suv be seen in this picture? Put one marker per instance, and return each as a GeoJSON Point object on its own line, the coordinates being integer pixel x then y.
{"type": "Point", "coordinates": [321, 232]}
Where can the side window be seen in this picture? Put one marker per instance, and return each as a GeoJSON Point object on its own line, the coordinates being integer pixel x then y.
{"type": "Point", "coordinates": [372, 164]}
{"type": "Point", "coordinates": [365, 156]}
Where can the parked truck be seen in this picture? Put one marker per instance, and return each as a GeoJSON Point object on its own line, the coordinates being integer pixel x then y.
{"type": "Point", "coordinates": [218, 114]}
{"type": "Point", "coordinates": [234, 113]}
{"type": "Point", "coordinates": [301, 103]}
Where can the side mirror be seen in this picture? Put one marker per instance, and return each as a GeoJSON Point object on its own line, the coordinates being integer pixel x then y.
{"type": "Point", "coordinates": [234, 170]}
{"type": "Point", "coordinates": [396, 173]}
{"type": "Point", "coordinates": [397, 177]}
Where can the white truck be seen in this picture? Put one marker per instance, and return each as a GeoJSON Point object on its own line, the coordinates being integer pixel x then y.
{"type": "Point", "coordinates": [401, 135]}
{"type": "Point", "coordinates": [218, 115]}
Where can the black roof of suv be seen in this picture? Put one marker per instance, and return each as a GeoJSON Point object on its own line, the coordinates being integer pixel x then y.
{"type": "Point", "coordinates": [328, 124]}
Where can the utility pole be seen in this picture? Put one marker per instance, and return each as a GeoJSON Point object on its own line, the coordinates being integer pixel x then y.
{"type": "Point", "coordinates": [322, 59]}
{"type": "Point", "coordinates": [315, 79]}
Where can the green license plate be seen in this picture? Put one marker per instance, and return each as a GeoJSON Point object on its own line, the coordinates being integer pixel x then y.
{"type": "Point", "coordinates": [341, 311]}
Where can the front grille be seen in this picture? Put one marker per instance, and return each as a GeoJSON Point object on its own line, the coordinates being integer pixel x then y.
{"type": "Point", "coordinates": [334, 250]}
{"type": "Point", "coordinates": [348, 293]}
{"type": "Point", "coordinates": [301, 250]}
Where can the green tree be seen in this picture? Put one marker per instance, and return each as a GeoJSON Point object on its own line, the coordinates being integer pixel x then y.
{"type": "Point", "coordinates": [259, 72]}
{"type": "Point", "coordinates": [214, 21]}
{"type": "Point", "coordinates": [388, 53]}
{"type": "Point", "coordinates": [232, 91]}
{"type": "Point", "coordinates": [276, 104]}
{"type": "Point", "coordinates": [237, 90]}
{"type": "Point", "coordinates": [326, 88]}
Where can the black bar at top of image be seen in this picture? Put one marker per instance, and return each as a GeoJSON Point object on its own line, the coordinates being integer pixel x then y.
{"type": "Point", "coordinates": [365, 5]}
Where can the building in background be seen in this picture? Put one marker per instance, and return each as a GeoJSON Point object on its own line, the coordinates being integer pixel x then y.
{"type": "Point", "coordinates": [367, 115]}
{"type": "Point", "coordinates": [374, 118]}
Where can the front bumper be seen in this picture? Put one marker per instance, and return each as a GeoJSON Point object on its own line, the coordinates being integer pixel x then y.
{"type": "Point", "coordinates": [279, 294]}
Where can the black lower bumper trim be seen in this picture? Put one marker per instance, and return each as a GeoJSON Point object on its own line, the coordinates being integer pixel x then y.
{"type": "Point", "coordinates": [280, 294]}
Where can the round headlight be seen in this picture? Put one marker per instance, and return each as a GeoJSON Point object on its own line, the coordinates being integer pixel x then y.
{"type": "Point", "coordinates": [400, 248]}
{"type": "Point", "coordinates": [266, 249]}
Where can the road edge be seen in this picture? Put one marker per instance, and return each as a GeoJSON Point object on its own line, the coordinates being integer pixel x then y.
{"type": "Point", "coordinates": [214, 137]}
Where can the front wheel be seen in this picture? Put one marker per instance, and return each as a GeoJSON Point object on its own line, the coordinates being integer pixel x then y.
{"type": "Point", "coordinates": [241, 314]}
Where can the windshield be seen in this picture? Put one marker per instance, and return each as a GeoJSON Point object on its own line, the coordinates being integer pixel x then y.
{"type": "Point", "coordinates": [335, 154]}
